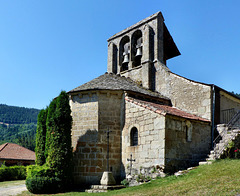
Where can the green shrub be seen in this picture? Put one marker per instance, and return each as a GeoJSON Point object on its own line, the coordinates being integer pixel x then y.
{"type": "Point", "coordinates": [44, 184]}
{"type": "Point", "coordinates": [125, 183]}
{"type": "Point", "coordinates": [56, 174]}
{"type": "Point", "coordinates": [41, 137]}
{"type": "Point", "coordinates": [12, 173]}
{"type": "Point", "coordinates": [42, 179]}
{"type": "Point", "coordinates": [60, 146]}
{"type": "Point", "coordinates": [39, 171]}
{"type": "Point", "coordinates": [50, 125]}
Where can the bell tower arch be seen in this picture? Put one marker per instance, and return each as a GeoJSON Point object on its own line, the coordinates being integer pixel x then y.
{"type": "Point", "coordinates": [139, 50]}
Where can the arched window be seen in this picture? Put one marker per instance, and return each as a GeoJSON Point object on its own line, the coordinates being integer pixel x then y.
{"type": "Point", "coordinates": [134, 137]}
{"type": "Point", "coordinates": [136, 52]}
{"type": "Point", "coordinates": [124, 53]}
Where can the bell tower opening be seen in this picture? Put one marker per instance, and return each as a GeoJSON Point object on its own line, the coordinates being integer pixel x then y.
{"type": "Point", "coordinates": [124, 53]}
{"type": "Point", "coordinates": [141, 51]}
{"type": "Point", "coordinates": [136, 48]}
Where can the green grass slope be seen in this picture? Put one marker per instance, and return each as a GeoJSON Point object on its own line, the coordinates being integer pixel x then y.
{"type": "Point", "coordinates": [220, 178]}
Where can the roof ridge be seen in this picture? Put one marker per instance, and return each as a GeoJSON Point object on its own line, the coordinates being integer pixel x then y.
{"type": "Point", "coordinates": [4, 146]}
{"type": "Point", "coordinates": [112, 81]}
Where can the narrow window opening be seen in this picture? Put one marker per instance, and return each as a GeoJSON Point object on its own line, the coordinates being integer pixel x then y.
{"type": "Point", "coordinates": [134, 136]}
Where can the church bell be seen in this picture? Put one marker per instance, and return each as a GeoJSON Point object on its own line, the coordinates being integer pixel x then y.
{"type": "Point", "coordinates": [139, 51]}
{"type": "Point", "coordinates": [139, 47]}
{"type": "Point", "coordinates": [125, 58]}
{"type": "Point", "coordinates": [126, 52]}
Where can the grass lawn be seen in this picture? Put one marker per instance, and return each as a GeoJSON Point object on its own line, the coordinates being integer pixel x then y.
{"type": "Point", "coordinates": [220, 178]}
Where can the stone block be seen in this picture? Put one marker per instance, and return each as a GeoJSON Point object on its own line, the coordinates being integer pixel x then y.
{"type": "Point", "coordinates": [142, 140]}
{"type": "Point", "coordinates": [159, 123]}
{"type": "Point", "coordinates": [149, 138]}
{"type": "Point", "coordinates": [162, 134]}
{"type": "Point", "coordinates": [201, 110]}
{"type": "Point", "coordinates": [154, 144]}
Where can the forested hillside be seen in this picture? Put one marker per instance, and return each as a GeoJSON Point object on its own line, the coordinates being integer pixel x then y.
{"type": "Point", "coordinates": [18, 125]}
{"type": "Point", "coordinates": [17, 115]}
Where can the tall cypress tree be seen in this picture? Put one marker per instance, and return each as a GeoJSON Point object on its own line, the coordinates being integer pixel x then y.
{"type": "Point", "coordinates": [41, 137]}
{"type": "Point", "coordinates": [60, 148]}
{"type": "Point", "coordinates": [50, 123]}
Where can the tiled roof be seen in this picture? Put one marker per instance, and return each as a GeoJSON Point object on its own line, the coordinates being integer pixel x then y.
{"type": "Point", "coordinates": [110, 81]}
{"type": "Point", "coordinates": [164, 109]}
{"type": "Point", "coordinates": [14, 151]}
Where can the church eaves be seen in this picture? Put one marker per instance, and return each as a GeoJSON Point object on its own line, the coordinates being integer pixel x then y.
{"type": "Point", "coordinates": [165, 109]}
{"type": "Point", "coordinates": [110, 81]}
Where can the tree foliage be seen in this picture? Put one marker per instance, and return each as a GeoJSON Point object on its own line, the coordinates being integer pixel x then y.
{"type": "Point", "coordinates": [58, 148]}
{"type": "Point", "coordinates": [17, 115]}
{"type": "Point", "coordinates": [238, 95]}
{"type": "Point", "coordinates": [50, 125]}
{"type": "Point", "coordinates": [27, 140]}
{"type": "Point", "coordinates": [18, 125]}
{"type": "Point", "coordinates": [41, 137]}
{"type": "Point", "coordinates": [22, 134]}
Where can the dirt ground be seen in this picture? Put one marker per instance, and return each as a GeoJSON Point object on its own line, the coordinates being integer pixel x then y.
{"type": "Point", "coordinates": [12, 188]}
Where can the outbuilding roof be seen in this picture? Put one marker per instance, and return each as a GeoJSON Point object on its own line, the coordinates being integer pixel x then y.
{"type": "Point", "coordinates": [165, 109]}
{"type": "Point", "coordinates": [16, 152]}
{"type": "Point", "coordinates": [110, 81]}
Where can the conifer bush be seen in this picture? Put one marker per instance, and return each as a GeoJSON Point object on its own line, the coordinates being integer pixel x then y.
{"type": "Point", "coordinates": [50, 123]}
{"type": "Point", "coordinates": [60, 148]}
{"type": "Point", "coordinates": [41, 137]}
{"type": "Point", "coordinates": [55, 175]}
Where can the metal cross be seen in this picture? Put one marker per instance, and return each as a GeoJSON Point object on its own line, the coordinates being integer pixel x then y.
{"type": "Point", "coordinates": [131, 160]}
{"type": "Point", "coordinates": [108, 131]}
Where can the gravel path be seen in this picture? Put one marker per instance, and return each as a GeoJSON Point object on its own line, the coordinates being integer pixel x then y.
{"type": "Point", "coordinates": [12, 190]}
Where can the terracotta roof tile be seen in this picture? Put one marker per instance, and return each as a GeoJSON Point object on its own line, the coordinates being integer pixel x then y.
{"type": "Point", "coordinates": [164, 109]}
{"type": "Point", "coordinates": [14, 151]}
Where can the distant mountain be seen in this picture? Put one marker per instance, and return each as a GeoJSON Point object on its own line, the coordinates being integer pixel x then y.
{"type": "Point", "coordinates": [17, 115]}
{"type": "Point", "coordinates": [18, 125]}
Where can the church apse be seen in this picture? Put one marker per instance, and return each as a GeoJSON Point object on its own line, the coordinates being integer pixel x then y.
{"type": "Point", "coordinates": [95, 112]}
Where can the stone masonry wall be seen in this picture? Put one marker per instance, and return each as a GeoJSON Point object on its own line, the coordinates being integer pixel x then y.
{"type": "Point", "coordinates": [110, 119]}
{"type": "Point", "coordinates": [185, 94]}
{"type": "Point", "coordinates": [93, 113]}
{"type": "Point", "coordinates": [187, 142]}
{"type": "Point", "coordinates": [84, 133]}
{"type": "Point", "coordinates": [151, 138]}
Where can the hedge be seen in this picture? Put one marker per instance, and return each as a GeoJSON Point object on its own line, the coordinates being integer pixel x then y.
{"type": "Point", "coordinates": [42, 180]}
{"type": "Point", "coordinates": [12, 173]}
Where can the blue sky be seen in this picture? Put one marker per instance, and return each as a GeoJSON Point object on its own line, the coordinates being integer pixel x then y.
{"type": "Point", "coordinates": [54, 45]}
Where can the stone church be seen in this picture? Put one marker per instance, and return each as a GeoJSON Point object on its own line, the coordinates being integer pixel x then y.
{"type": "Point", "coordinates": [160, 118]}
